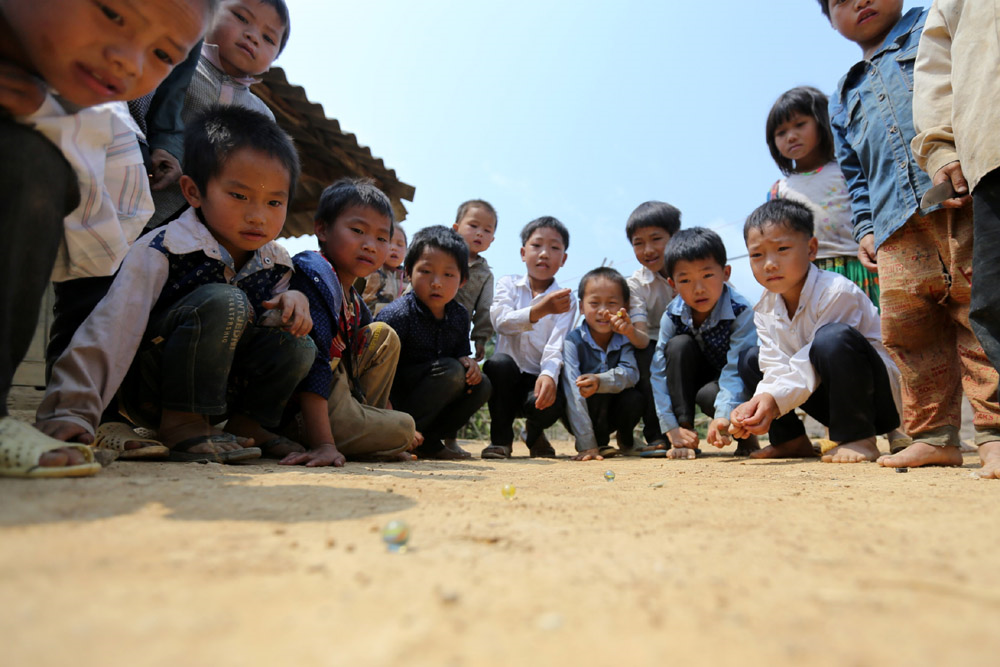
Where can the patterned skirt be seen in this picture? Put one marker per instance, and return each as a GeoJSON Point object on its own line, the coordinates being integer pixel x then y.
{"type": "Point", "coordinates": [855, 271]}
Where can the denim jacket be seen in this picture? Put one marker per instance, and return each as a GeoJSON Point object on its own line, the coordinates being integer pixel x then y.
{"type": "Point", "coordinates": [872, 117]}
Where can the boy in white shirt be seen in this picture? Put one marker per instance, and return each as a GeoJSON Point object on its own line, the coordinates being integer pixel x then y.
{"type": "Point", "coordinates": [532, 316]}
{"type": "Point", "coordinates": [820, 348]}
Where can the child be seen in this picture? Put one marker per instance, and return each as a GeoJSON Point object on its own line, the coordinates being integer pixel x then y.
{"type": "Point", "coordinates": [476, 222]}
{"type": "Point", "coordinates": [180, 327]}
{"type": "Point", "coordinates": [436, 382]}
{"type": "Point", "coordinates": [389, 282]}
{"type": "Point", "coordinates": [649, 229]}
{"type": "Point", "coordinates": [702, 334]}
{"type": "Point", "coordinates": [955, 113]}
{"type": "Point", "coordinates": [532, 316]}
{"type": "Point", "coordinates": [344, 400]}
{"type": "Point", "coordinates": [599, 370]}
{"type": "Point", "coordinates": [244, 39]}
{"type": "Point", "coordinates": [40, 185]}
{"type": "Point", "coordinates": [924, 255]}
{"type": "Point", "coordinates": [801, 143]}
{"type": "Point", "coordinates": [820, 348]}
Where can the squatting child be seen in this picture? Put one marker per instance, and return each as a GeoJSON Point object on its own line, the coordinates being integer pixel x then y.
{"type": "Point", "coordinates": [702, 334]}
{"type": "Point", "coordinates": [820, 348]}
{"type": "Point", "coordinates": [532, 316]}
{"type": "Point", "coordinates": [388, 282]}
{"type": "Point", "coordinates": [181, 328]}
{"type": "Point", "coordinates": [437, 382]}
{"type": "Point", "coordinates": [599, 370]}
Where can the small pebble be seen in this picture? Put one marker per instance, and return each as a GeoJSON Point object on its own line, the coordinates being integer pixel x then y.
{"type": "Point", "coordinates": [902, 470]}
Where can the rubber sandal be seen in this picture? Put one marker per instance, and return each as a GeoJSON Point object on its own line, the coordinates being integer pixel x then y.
{"type": "Point", "coordinates": [21, 445]}
{"type": "Point", "coordinates": [495, 452]}
{"type": "Point", "coordinates": [609, 451]}
{"type": "Point", "coordinates": [180, 451]}
{"type": "Point", "coordinates": [653, 452]}
{"type": "Point", "coordinates": [112, 436]}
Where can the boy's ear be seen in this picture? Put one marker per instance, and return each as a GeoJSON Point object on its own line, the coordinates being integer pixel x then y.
{"type": "Point", "coordinates": [190, 191]}
{"type": "Point", "coordinates": [522, 253]}
{"type": "Point", "coordinates": [564, 260]}
{"type": "Point", "coordinates": [727, 271]}
{"type": "Point", "coordinates": [670, 281]}
{"type": "Point", "coordinates": [813, 248]}
{"type": "Point", "coordinates": [319, 229]}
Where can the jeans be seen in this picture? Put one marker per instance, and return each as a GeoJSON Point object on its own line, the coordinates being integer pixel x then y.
{"type": "Point", "coordinates": [436, 396]}
{"type": "Point", "coordinates": [514, 396]}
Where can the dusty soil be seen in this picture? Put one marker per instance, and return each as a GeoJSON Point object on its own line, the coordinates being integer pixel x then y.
{"type": "Point", "coordinates": [713, 561]}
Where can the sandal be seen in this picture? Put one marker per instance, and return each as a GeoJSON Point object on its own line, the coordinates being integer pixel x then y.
{"type": "Point", "coordinates": [21, 446]}
{"type": "Point", "coordinates": [113, 436]}
{"type": "Point", "coordinates": [656, 450]}
{"type": "Point", "coordinates": [495, 452]}
{"type": "Point", "coordinates": [608, 451]}
{"type": "Point", "coordinates": [180, 451]}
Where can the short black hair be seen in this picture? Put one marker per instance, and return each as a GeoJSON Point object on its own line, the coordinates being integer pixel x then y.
{"type": "Point", "coordinates": [607, 273]}
{"type": "Point", "coordinates": [653, 214]}
{"type": "Point", "coordinates": [787, 212]}
{"type": "Point", "coordinates": [282, 10]}
{"type": "Point", "coordinates": [825, 6]}
{"type": "Point", "coordinates": [348, 192]}
{"type": "Point", "coordinates": [444, 239]}
{"type": "Point", "coordinates": [464, 207]}
{"type": "Point", "coordinates": [692, 244]}
{"type": "Point", "coordinates": [211, 138]}
{"type": "Point", "coordinates": [546, 221]}
{"type": "Point", "coordinates": [807, 101]}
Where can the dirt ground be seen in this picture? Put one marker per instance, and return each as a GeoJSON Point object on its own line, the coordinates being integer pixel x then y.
{"type": "Point", "coordinates": [715, 561]}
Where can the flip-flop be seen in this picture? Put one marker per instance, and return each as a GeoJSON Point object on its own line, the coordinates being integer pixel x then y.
{"type": "Point", "coordinates": [608, 451]}
{"type": "Point", "coordinates": [113, 436]}
{"type": "Point", "coordinates": [495, 452]}
{"type": "Point", "coordinates": [180, 451]}
{"type": "Point", "coordinates": [21, 446]}
{"type": "Point", "coordinates": [653, 452]}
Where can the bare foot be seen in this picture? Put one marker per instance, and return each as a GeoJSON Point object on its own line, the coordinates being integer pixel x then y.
{"type": "Point", "coordinates": [921, 454]}
{"type": "Point", "coordinates": [989, 455]}
{"type": "Point", "coordinates": [857, 451]}
{"type": "Point", "coordinates": [176, 427]}
{"type": "Point", "coordinates": [681, 453]}
{"type": "Point", "coordinates": [796, 448]}
{"type": "Point", "coordinates": [271, 444]}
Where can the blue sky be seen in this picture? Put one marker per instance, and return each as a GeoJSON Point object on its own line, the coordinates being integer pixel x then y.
{"type": "Point", "coordinates": [581, 110]}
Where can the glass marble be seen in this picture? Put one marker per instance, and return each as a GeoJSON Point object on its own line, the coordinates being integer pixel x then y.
{"type": "Point", "coordinates": [609, 475]}
{"type": "Point", "coordinates": [395, 535]}
{"type": "Point", "coordinates": [508, 491]}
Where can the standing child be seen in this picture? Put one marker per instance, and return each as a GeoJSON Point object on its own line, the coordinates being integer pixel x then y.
{"type": "Point", "coordinates": [437, 382]}
{"type": "Point", "coordinates": [820, 348]}
{"type": "Point", "coordinates": [389, 282]}
{"type": "Point", "coordinates": [344, 400]}
{"type": "Point", "coordinates": [702, 334]}
{"type": "Point", "coordinates": [532, 316]}
{"type": "Point", "coordinates": [924, 253]}
{"type": "Point", "coordinates": [599, 370]}
{"type": "Point", "coordinates": [801, 143]}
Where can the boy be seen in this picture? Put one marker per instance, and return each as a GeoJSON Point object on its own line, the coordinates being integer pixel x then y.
{"type": "Point", "coordinates": [820, 348]}
{"type": "Point", "coordinates": [344, 400]}
{"type": "Point", "coordinates": [924, 251]}
{"type": "Point", "coordinates": [243, 41]}
{"type": "Point", "coordinates": [702, 334]}
{"type": "Point", "coordinates": [436, 382]}
{"type": "Point", "coordinates": [532, 316]}
{"type": "Point", "coordinates": [956, 115]}
{"type": "Point", "coordinates": [179, 328]}
{"type": "Point", "coordinates": [389, 281]}
{"type": "Point", "coordinates": [40, 185]}
{"type": "Point", "coordinates": [599, 370]}
{"type": "Point", "coordinates": [649, 229]}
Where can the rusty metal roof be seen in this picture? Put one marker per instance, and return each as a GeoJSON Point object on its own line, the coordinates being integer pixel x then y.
{"type": "Point", "coordinates": [327, 152]}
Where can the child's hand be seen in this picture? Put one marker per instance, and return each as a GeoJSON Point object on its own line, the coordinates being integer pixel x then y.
{"type": "Point", "coordinates": [953, 172]}
{"type": "Point", "coordinates": [166, 169]}
{"type": "Point", "coordinates": [480, 350]}
{"type": "Point", "coordinates": [473, 375]}
{"type": "Point", "coordinates": [589, 455]}
{"type": "Point", "coordinates": [20, 93]}
{"type": "Point", "coordinates": [718, 432]}
{"type": "Point", "coordinates": [754, 417]}
{"type": "Point", "coordinates": [683, 438]}
{"type": "Point", "coordinates": [588, 383]}
{"type": "Point", "coordinates": [65, 431]}
{"type": "Point", "coordinates": [622, 323]}
{"type": "Point", "coordinates": [324, 455]}
{"type": "Point", "coordinates": [866, 252]}
{"type": "Point", "coordinates": [545, 392]}
{"type": "Point", "coordinates": [294, 308]}
{"type": "Point", "coordinates": [555, 303]}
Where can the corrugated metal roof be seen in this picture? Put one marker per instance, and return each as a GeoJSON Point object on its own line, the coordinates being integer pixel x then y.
{"type": "Point", "coordinates": [327, 152]}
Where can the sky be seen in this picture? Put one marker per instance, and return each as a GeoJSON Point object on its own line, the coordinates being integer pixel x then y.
{"type": "Point", "coordinates": [581, 110]}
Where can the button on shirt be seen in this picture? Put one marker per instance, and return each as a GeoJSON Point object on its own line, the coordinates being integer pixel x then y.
{"type": "Point", "coordinates": [537, 348]}
{"type": "Point", "coordinates": [422, 337]}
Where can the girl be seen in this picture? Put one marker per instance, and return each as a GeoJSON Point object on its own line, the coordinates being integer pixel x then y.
{"type": "Point", "coordinates": [389, 282]}
{"type": "Point", "coordinates": [801, 143]}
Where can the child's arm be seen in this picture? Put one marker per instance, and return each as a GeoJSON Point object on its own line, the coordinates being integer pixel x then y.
{"type": "Point", "coordinates": [576, 406]}
{"type": "Point", "coordinates": [482, 328]}
{"type": "Point", "coordinates": [294, 308]}
{"type": "Point", "coordinates": [619, 378]}
{"type": "Point", "coordinates": [754, 417]}
{"type": "Point", "coordinates": [857, 185]}
{"type": "Point", "coordinates": [165, 127]}
{"type": "Point", "coordinates": [21, 94]}
{"type": "Point", "coordinates": [317, 435]}
{"type": "Point", "coordinates": [658, 378]}
{"type": "Point", "coordinates": [637, 333]}
{"type": "Point", "coordinates": [556, 302]}
{"type": "Point", "coordinates": [552, 355]}
{"type": "Point", "coordinates": [732, 393]}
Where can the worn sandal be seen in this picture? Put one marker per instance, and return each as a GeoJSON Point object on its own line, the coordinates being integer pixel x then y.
{"type": "Point", "coordinates": [495, 452]}
{"type": "Point", "coordinates": [21, 446]}
{"type": "Point", "coordinates": [114, 435]}
{"type": "Point", "coordinates": [608, 451]}
{"type": "Point", "coordinates": [180, 451]}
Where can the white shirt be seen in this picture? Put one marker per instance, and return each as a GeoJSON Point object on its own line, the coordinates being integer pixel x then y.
{"type": "Point", "coordinates": [537, 348]}
{"type": "Point", "coordinates": [785, 341]}
{"type": "Point", "coordinates": [649, 298]}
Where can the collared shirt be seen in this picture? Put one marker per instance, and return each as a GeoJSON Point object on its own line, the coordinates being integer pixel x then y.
{"type": "Point", "coordinates": [477, 296]}
{"type": "Point", "coordinates": [616, 370]}
{"type": "Point", "coordinates": [727, 331]}
{"type": "Point", "coordinates": [423, 337]}
{"type": "Point", "coordinates": [160, 268]}
{"type": "Point", "coordinates": [536, 347]}
{"type": "Point", "coordinates": [956, 89]}
{"type": "Point", "coordinates": [650, 295]}
{"type": "Point", "coordinates": [785, 340]}
{"type": "Point", "coordinates": [871, 114]}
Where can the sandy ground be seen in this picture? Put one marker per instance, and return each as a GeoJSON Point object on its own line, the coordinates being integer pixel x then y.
{"type": "Point", "coordinates": [715, 561]}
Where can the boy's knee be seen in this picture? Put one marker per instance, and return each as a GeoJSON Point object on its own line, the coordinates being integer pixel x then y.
{"type": "Point", "coordinates": [221, 298]}
{"type": "Point", "coordinates": [451, 374]}
{"type": "Point", "coordinates": [679, 346]}
{"type": "Point", "coordinates": [833, 338]}
{"type": "Point", "coordinates": [501, 367]}
{"type": "Point", "coordinates": [301, 352]}
{"type": "Point", "coordinates": [748, 365]}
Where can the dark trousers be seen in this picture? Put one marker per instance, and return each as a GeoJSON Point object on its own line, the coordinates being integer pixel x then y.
{"type": "Point", "coordinates": [74, 301]}
{"type": "Point", "coordinates": [610, 413]}
{"type": "Point", "coordinates": [691, 380]}
{"type": "Point", "coordinates": [854, 397]}
{"type": "Point", "coordinates": [984, 309]}
{"type": "Point", "coordinates": [514, 396]}
{"type": "Point", "coordinates": [436, 396]}
{"type": "Point", "coordinates": [205, 355]}
{"type": "Point", "coordinates": [650, 422]}
{"type": "Point", "coordinates": [37, 190]}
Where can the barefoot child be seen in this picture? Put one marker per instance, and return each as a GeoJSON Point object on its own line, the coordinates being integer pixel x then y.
{"type": "Point", "coordinates": [532, 316]}
{"type": "Point", "coordinates": [702, 334]}
{"type": "Point", "coordinates": [437, 382]}
{"type": "Point", "coordinates": [40, 186]}
{"type": "Point", "coordinates": [820, 348]}
{"type": "Point", "coordinates": [389, 282]}
{"type": "Point", "coordinates": [599, 370]}
{"type": "Point", "coordinates": [344, 400]}
{"type": "Point", "coordinates": [180, 327]}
